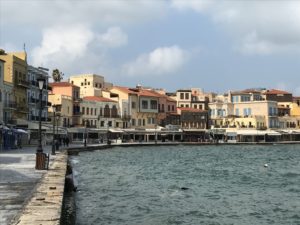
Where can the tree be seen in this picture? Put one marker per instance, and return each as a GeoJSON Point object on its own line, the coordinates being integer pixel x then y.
{"type": "Point", "coordinates": [57, 75]}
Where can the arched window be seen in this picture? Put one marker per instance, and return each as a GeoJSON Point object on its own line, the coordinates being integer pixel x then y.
{"type": "Point", "coordinates": [106, 111]}
{"type": "Point", "coordinates": [114, 112]}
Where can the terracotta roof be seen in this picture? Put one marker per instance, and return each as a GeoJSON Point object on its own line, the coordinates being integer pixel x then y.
{"type": "Point", "coordinates": [62, 84]}
{"type": "Point", "coordinates": [124, 89]}
{"type": "Point", "coordinates": [190, 109]}
{"type": "Point", "coordinates": [276, 92]}
{"type": "Point", "coordinates": [98, 99]}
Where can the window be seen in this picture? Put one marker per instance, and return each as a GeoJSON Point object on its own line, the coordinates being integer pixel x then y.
{"type": "Point", "coordinates": [169, 108]}
{"type": "Point", "coordinates": [95, 111]}
{"type": "Point", "coordinates": [109, 123]}
{"type": "Point", "coordinates": [200, 107]}
{"type": "Point", "coordinates": [114, 112]}
{"type": "Point", "coordinates": [245, 98]}
{"type": "Point", "coordinates": [144, 104]}
{"type": "Point", "coordinates": [72, 82]}
{"type": "Point", "coordinates": [187, 106]}
{"type": "Point", "coordinates": [186, 95]}
{"type": "Point", "coordinates": [237, 112]}
{"type": "Point", "coordinates": [133, 122]}
{"type": "Point", "coordinates": [153, 104]}
{"type": "Point", "coordinates": [181, 95]}
{"type": "Point", "coordinates": [182, 105]}
{"type": "Point", "coordinates": [81, 84]}
{"type": "Point", "coordinates": [106, 111]}
{"type": "Point", "coordinates": [102, 123]}
{"type": "Point", "coordinates": [133, 105]}
{"type": "Point", "coordinates": [83, 110]}
{"type": "Point", "coordinates": [96, 85]}
{"type": "Point", "coordinates": [173, 108]}
{"type": "Point", "coordinates": [89, 83]}
{"type": "Point", "coordinates": [87, 111]}
{"type": "Point", "coordinates": [91, 111]}
{"type": "Point", "coordinates": [144, 122]}
{"type": "Point", "coordinates": [162, 107]}
{"type": "Point", "coordinates": [149, 120]}
{"type": "Point", "coordinates": [195, 106]}
{"type": "Point", "coordinates": [139, 122]}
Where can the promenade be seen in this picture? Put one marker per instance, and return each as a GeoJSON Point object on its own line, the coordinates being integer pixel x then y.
{"type": "Point", "coordinates": [18, 181]}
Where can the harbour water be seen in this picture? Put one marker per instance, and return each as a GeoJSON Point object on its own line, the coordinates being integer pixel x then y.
{"type": "Point", "coordinates": [189, 185]}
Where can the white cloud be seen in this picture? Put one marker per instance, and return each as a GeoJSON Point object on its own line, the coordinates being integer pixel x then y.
{"type": "Point", "coordinates": [62, 45]}
{"type": "Point", "coordinates": [197, 5]}
{"type": "Point", "coordinates": [257, 27]}
{"type": "Point", "coordinates": [114, 37]}
{"type": "Point", "coordinates": [160, 61]}
{"type": "Point", "coordinates": [46, 13]}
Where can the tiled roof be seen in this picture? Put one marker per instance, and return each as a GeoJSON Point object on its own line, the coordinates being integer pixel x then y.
{"type": "Point", "coordinates": [98, 99]}
{"type": "Point", "coordinates": [124, 89]}
{"type": "Point", "coordinates": [62, 84]}
{"type": "Point", "coordinates": [276, 92]}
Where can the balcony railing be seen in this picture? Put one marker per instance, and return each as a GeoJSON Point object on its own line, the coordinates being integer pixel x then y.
{"type": "Point", "coordinates": [10, 105]}
{"type": "Point", "coordinates": [23, 83]}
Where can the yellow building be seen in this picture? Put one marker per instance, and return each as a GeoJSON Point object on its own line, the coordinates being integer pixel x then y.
{"type": "Point", "coordinates": [90, 84]}
{"type": "Point", "coordinates": [64, 109]}
{"type": "Point", "coordinates": [15, 74]}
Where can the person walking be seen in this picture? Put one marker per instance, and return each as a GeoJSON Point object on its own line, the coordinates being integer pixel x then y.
{"type": "Point", "coordinates": [67, 141]}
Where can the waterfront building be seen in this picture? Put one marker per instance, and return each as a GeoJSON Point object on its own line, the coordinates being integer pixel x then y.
{"type": "Point", "coordinates": [90, 84]}
{"type": "Point", "coordinates": [33, 93]}
{"type": "Point", "coordinates": [141, 105]}
{"type": "Point", "coordinates": [192, 118]}
{"type": "Point", "coordinates": [1, 91]}
{"type": "Point", "coordinates": [99, 112]}
{"type": "Point", "coordinates": [244, 109]}
{"type": "Point", "coordinates": [15, 78]}
{"type": "Point", "coordinates": [65, 96]}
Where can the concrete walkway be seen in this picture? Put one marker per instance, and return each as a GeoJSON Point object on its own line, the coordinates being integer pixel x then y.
{"type": "Point", "coordinates": [18, 180]}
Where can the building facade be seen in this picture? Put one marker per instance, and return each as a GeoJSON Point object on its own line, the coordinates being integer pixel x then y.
{"type": "Point", "coordinates": [15, 76]}
{"type": "Point", "coordinates": [65, 96]}
{"type": "Point", "coordinates": [1, 91]}
{"type": "Point", "coordinates": [90, 84]}
{"type": "Point", "coordinates": [33, 93]}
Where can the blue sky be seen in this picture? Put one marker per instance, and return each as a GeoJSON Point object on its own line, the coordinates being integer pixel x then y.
{"type": "Point", "coordinates": [217, 45]}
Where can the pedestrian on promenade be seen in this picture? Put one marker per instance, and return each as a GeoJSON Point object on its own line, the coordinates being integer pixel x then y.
{"type": "Point", "coordinates": [67, 141]}
{"type": "Point", "coordinates": [64, 141]}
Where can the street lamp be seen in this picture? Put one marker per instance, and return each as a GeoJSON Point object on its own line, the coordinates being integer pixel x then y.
{"type": "Point", "coordinates": [53, 141]}
{"type": "Point", "coordinates": [41, 82]}
{"type": "Point", "coordinates": [40, 156]}
{"type": "Point", "coordinates": [85, 133]}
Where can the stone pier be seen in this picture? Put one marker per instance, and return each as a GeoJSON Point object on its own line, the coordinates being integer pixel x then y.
{"type": "Point", "coordinates": [45, 205]}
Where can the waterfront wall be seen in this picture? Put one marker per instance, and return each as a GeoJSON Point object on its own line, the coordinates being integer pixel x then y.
{"type": "Point", "coordinates": [46, 203]}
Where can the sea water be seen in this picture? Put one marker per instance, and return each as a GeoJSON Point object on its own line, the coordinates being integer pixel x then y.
{"type": "Point", "coordinates": [163, 185]}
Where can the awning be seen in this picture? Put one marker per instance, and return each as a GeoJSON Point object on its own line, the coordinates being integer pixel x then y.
{"type": "Point", "coordinates": [22, 131]}
{"type": "Point", "coordinates": [257, 132]}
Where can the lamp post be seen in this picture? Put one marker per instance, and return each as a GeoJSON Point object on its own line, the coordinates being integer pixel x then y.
{"type": "Point", "coordinates": [53, 141]}
{"type": "Point", "coordinates": [41, 82]}
{"type": "Point", "coordinates": [40, 156]}
{"type": "Point", "coordinates": [85, 133]}
{"type": "Point", "coordinates": [108, 141]}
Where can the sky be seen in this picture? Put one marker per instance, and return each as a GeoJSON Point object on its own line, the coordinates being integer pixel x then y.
{"type": "Point", "coordinates": [216, 45]}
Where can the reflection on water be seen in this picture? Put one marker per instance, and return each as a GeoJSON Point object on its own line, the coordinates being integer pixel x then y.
{"type": "Point", "coordinates": [189, 185]}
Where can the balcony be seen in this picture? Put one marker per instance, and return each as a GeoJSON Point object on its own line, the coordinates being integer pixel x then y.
{"type": "Point", "coordinates": [10, 105]}
{"type": "Point", "coordinates": [23, 83]}
{"type": "Point", "coordinates": [22, 108]}
{"type": "Point", "coordinates": [33, 82]}
{"type": "Point", "coordinates": [76, 113]}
